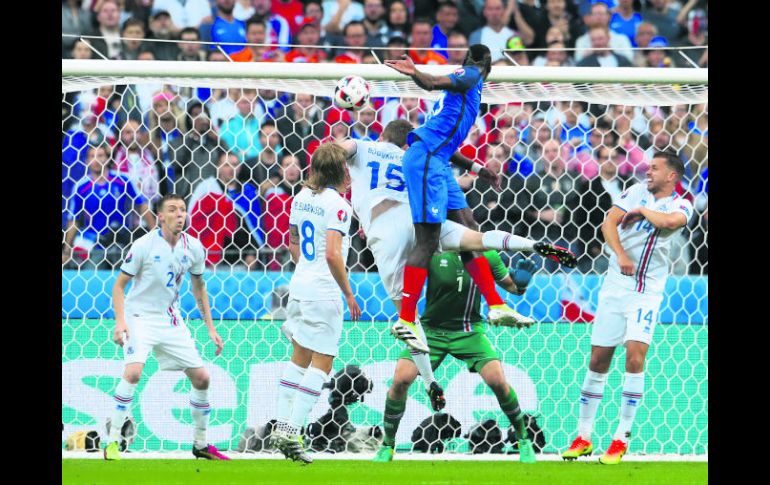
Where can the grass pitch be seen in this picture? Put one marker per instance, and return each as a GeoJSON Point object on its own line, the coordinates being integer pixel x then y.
{"type": "Point", "coordinates": [236, 472]}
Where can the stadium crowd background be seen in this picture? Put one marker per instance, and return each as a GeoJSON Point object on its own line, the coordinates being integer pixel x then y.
{"type": "Point", "coordinates": [239, 155]}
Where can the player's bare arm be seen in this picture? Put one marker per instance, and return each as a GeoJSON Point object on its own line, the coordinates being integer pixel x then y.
{"type": "Point", "coordinates": [611, 236]}
{"type": "Point", "coordinates": [350, 148]}
{"type": "Point", "coordinates": [464, 162]}
{"type": "Point", "coordinates": [338, 271]}
{"type": "Point", "coordinates": [202, 302]}
{"type": "Point", "coordinates": [660, 220]}
{"type": "Point", "coordinates": [69, 237]}
{"type": "Point", "coordinates": [294, 243]}
{"type": "Point", "coordinates": [120, 334]}
{"type": "Point", "coordinates": [428, 82]}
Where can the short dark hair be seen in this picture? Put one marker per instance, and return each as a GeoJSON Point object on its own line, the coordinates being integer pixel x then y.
{"type": "Point", "coordinates": [353, 22]}
{"type": "Point", "coordinates": [457, 33]}
{"type": "Point", "coordinates": [396, 132]}
{"type": "Point", "coordinates": [131, 22]}
{"type": "Point", "coordinates": [162, 201]}
{"type": "Point", "coordinates": [480, 56]}
{"type": "Point", "coordinates": [445, 3]}
{"type": "Point", "coordinates": [397, 40]}
{"type": "Point", "coordinates": [256, 19]}
{"type": "Point", "coordinates": [422, 20]}
{"type": "Point", "coordinates": [190, 30]}
{"type": "Point", "coordinates": [317, 2]}
{"type": "Point", "coordinates": [673, 162]}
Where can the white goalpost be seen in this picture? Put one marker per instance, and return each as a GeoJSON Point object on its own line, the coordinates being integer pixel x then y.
{"type": "Point", "coordinates": [179, 117]}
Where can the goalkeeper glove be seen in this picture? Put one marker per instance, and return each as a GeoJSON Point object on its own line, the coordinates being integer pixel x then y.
{"type": "Point", "coordinates": [522, 273]}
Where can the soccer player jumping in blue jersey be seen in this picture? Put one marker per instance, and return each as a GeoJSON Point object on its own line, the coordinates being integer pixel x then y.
{"type": "Point", "coordinates": [434, 193]}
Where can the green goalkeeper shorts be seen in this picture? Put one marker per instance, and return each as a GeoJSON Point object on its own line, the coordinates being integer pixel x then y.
{"type": "Point", "coordinates": [474, 347]}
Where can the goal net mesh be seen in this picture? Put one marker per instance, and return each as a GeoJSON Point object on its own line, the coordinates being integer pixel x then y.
{"type": "Point", "coordinates": [564, 155]}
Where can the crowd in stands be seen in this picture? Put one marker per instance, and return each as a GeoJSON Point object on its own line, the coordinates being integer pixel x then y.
{"type": "Point", "coordinates": [239, 155]}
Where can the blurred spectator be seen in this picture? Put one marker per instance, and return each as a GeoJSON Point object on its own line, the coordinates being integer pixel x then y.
{"type": "Point", "coordinates": [136, 161]}
{"type": "Point", "coordinates": [515, 48]}
{"type": "Point", "coordinates": [241, 132]}
{"type": "Point", "coordinates": [300, 125]}
{"type": "Point", "coordinates": [644, 34]}
{"type": "Point", "coordinates": [194, 155]}
{"type": "Point", "coordinates": [398, 20]}
{"type": "Point", "coordinates": [256, 33]}
{"type": "Point", "coordinates": [365, 127]}
{"type": "Point", "coordinates": [446, 22]}
{"type": "Point", "coordinates": [308, 35]}
{"type": "Point", "coordinates": [457, 40]}
{"type": "Point", "coordinates": [470, 15]}
{"type": "Point", "coordinates": [557, 15]}
{"type": "Point", "coordinates": [664, 18]}
{"type": "Point", "coordinates": [597, 196]}
{"type": "Point", "coordinates": [548, 199]}
{"type": "Point", "coordinates": [601, 56]}
{"type": "Point", "coordinates": [422, 32]}
{"type": "Point", "coordinates": [227, 28]}
{"type": "Point", "coordinates": [225, 215]}
{"type": "Point", "coordinates": [495, 33]}
{"type": "Point", "coordinates": [277, 209]}
{"type": "Point", "coordinates": [288, 178]}
{"type": "Point", "coordinates": [600, 19]}
{"type": "Point", "coordinates": [223, 105]}
{"type": "Point", "coordinates": [98, 214]}
{"type": "Point", "coordinates": [625, 20]}
{"type": "Point", "coordinates": [492, 209]}
{"type": "Point", "coordinates": [291, 10]}
{"type": "Point", "coordinates": [108, 19]}
{"type": "Point", "coordinates": [519, 163]}
{"type": "Point", "coordinates": [658, 57]}
{"type": "Point", "coordinates": [575, 127]}
{"type": "Point", "coordinates": [278, 27]}
{"type": "Point", "coordinates": [514, 17]}
{"type": "Point", "coordinates": [375, 24]}
{"type": "Point", "coordinates": [355, 36]}
{"type": "Point", "coordinates": [243, 9]}
{"type": "Point", "coordinates": [161, 27]}
{"type": "Point", "coordinates": [75, 21]}
{"type": "Point", "coordinates": [697, 36]}
{"type": "Point", "coordinates": [554, 56]}
{"type": "Point", "coordinates": [133, 33]}
{"type": "Point", "coordinates": [394, 42]}
{"type": "Point", "coordinates": [188, 49]}
{"type": "Point", "coordinates": [185, 13]}
{"type": "Point", "coordinates": [265, 165]}
{"type": "Point", "coordinates": [216, 56]}
{"type": "Point", "coordinates": [339, 13]}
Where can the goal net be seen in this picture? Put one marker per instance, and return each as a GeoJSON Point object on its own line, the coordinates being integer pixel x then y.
{"type": "Point", "coordinates": [566, 142]}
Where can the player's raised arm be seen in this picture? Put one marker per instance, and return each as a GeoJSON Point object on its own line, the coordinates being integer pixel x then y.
{"type": "Point", "coordinates": [351, 148]}
{"type": "Point", "coordinates": [202, 302]}
{"type": "Point", "coordinates": [464, 162]}
{"type": "Point", "coordinates": [120, 334]}
{"type": "Point", "coordinates": [611, 236]}
{"type": "Point", "coordinates": [338, 271]}
{"type": "Point", "coordinates": [429, 82]}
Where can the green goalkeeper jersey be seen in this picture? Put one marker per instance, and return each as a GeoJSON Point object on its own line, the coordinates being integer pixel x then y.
{"type": "Point", "coordinates": [453, 301]}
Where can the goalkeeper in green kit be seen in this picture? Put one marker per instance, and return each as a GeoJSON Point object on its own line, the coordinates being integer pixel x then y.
{"type": "Point", "coordinates": [453, 325]}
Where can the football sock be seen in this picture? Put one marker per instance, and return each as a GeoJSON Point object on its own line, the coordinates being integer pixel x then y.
{"type": "Point", "coordinates": [414, 279]}
{"type": "Point", "coordinates": [124, 395]}
{"type": "Point", "coordinates": [306, 396]}
{"type": "Point", "coordinates": [394, 411]}
{"type": "Point", "coordinates": [287, 390]}
{"type": "Point", "coordinates": [590, 396]}
{"type": "Point", "coordinates": [481, 273]}
{"type": "Point", "coordinates": [505, 241]}
{"type": "Point", "coordinates": [633, 388]}
{"type": "Point", "coordinates": [510, 406]}
{"type": "Point", "coordinates": [422, 360]}
{"type": "Point", "coordinates": [199, 406]}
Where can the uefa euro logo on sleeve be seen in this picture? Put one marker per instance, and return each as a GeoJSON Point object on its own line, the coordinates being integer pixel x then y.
{"type": "Point", "coordinates": [129, 257]}
{"type": "Point", "coordinates": [342, 216]}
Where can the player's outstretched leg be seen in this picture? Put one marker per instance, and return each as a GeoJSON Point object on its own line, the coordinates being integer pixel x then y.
{"type": "Point", "coordinates": [200, 410]}
{"type": "Point", "coordinates": [559, 254]}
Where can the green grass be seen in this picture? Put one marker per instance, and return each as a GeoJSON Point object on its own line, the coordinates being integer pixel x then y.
{"type": "Point", "coordinates": [186, 472]}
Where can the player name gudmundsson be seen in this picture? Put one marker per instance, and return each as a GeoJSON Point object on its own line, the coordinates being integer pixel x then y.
{"type": "Point", "coordinates": [314, 209]}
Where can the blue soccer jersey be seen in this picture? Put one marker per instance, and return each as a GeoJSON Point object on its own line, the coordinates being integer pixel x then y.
{"type": "Point", "coordinates": [101, 206]}
{"type": "Point", "coordinates": [224, 31]}
{"type": "Point", "coordinates": [454, 114]}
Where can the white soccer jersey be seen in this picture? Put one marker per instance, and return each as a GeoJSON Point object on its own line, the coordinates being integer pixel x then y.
{"type": "Point", "coordinates": [314, 214]}
{"type": "Point", "coordinates": [376, 173]}
{"type": "Point", "coordinates": [158, 270]}
{"type": "Point", "coordinates": [647, 246]}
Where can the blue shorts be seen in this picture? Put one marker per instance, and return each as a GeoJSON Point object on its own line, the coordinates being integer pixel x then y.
{"type": "Point", "coordinates": [431, 186]}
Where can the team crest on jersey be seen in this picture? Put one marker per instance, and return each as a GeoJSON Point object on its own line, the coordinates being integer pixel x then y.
{"type": "Point", "coordinates": [184, 259]}
{"type": "Point", "coordinates": [342, 216]}
{"type": "Point", "coordinates": [460, 71]}
{"type": "Point", "coordinates": [156, 259]}
{"type": "Point", "coordinates": [129, 350]}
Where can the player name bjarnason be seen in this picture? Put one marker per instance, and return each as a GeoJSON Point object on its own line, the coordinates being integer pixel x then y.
{"type": "Point", "coordinates": [313, 209]}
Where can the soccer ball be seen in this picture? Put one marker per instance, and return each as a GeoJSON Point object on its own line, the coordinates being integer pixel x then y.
{"type": "Point", "coordinates": [352, 92]}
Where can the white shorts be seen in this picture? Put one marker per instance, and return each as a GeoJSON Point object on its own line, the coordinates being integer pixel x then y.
{"type": "Point", "coordinates": [315, 325]}
{"type": "Point", "coordinates": [391, 238]}
{"type": "Point", "coordinates": [173, 345]}
{"type": "Point", "coordinates": [624, 315]}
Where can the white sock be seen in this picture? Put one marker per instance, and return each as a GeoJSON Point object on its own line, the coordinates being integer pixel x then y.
{"type": "Point", "coordinates": [306, 396]}
{"type": "Point", "coordinates": [505, 241]}
{"type": "Point", "coordinates": [422, 360]}
{"type": "Point", "coordinates": [199, 406]}
{"type": "Point", "coordinates": [287, 390]}
{"type": "Point", "coordinates": [124, 395]}
{"type": "Point", "coordinates": [590, 396]}
{"type": "Point", "coordinates": [633, 388]}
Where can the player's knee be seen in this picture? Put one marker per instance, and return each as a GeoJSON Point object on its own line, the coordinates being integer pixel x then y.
{"type": "Point", "coordinates": [634, 363]}
{"type": "Point", "coordinates": [132, 376]}
{"type": "Point", "coordinates": [599, 363]}
{"type": "Point", "coordinates": [399, 388]}
{"type": "Point", "coordinates": [200, 380]}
